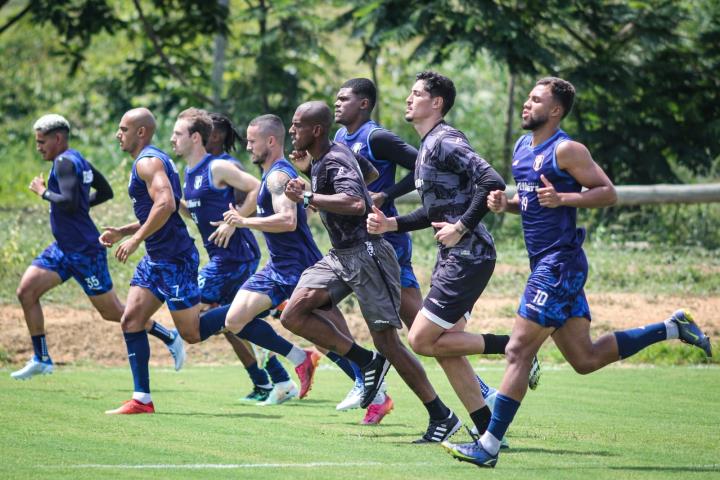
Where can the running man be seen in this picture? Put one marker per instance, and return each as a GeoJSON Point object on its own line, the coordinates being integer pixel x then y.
{"type": "Point", "coordinates": [76, 251]}
{"type": "Point", "coordinates": [551, 170]}
{"type": "Point", "coordinates": [358, 263]}
{"type": "Point", "coordinates": [453, 182]}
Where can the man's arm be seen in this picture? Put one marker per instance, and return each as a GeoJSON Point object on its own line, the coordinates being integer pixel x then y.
{"type": "Point", "coordinates": [152, 171]}
{"type": "Point", "coordinates": [388, 146]}
{"type": "Point", "coordinates": [68, 199]}
{"type": "Point", "coordinates": [285, 217]}
{"type": "Point", "coordinates": [575, 159]}
{"type": "Point", "coordinates": [225, 173]}
{"type": "Point", "coordinates": [103, 191]}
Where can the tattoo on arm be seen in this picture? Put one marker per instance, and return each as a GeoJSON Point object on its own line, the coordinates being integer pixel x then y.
{"type": "Point", "coordinates": [276, 183]}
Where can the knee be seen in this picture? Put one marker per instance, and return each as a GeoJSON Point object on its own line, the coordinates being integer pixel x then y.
{"type": "Point", "coordinates": [190, 335]}
{"type": "Point", "coordinates": [290, 319]}
{"type": "Point", "coordinates": [26, 295]}
{"type": "Point", "coordinates": [235, 323]}
{"type": "Point", "coordinates": [584, 366]}
{"type": "Point", "coordinates": [517, 353]}
{"type": "Point", "coordinates": [419, 345]}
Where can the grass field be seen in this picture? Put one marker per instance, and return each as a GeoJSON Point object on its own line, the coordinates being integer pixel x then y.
{"type": "Point", "coordinates": [623, 423]}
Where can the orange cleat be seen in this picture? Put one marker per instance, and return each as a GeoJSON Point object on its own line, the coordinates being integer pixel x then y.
{"type": "Point", "coordinates": [131, 407]}
{"type": "Point", "coordinates": [306, 371]}
{"type": "Point", "coordinates": [376, 412]}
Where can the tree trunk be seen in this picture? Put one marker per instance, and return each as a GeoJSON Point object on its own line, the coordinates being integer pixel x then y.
{"type": "Point", "coordinates": [219, 66]}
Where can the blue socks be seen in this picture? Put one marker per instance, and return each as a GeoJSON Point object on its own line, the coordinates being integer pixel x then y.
{"type": "Point", "coordinates": [276, 370]}
{"type": "Point", "coordinates": [212, 321]}
{"type": "Point", "coordinates": [344, 364]}
{"type": "Point", "coordinates": [632, 341]}
{"type": "Point", "coordinates": [258, 376]}
{"type": "Point", "coordinates": [484, 389]}
{"type": "Point", "coordinates": [40, 348]}
{"type": "Point", "coordinates": [502, 416]}
{"type": "Point", "coordinates": [260, 333]}
{"type": "Point", "coordinates": [357, 372]}
{"type": "Point", "coordinates": [162, 333]}
{"type": "Point", "coordinates": [138, 349]}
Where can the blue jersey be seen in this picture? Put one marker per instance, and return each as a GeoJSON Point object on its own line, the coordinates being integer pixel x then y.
{"type": "Point", "coordinates": [545, 229]}
{"type": "Point", "coordinates": [172, 238]}
{"type": "Point", "coordinates": [359, 143]}
{"type": "Point", "coordinates": [290, 252]}
{"type": "Point", "coordinates": [207, 204]}
{"type": "Point", "coordinates": [74, 231]}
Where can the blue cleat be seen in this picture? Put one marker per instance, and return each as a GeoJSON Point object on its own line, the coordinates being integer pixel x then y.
{"type": "Point", "coordinates": [689, 332]}
{"type": "Point", "coordinates": [177, 350]}
{"type": "Point", "coordinates": [33, 367]}
{"type": "Point", "coordinates": [471, 452]}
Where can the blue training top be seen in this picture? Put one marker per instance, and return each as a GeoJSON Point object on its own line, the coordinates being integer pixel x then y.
{"type": "Point", "coordinates": [545, 229]}
{"type": "Point", "coordinates": [74, 231]}
{"type": "Point", "coordinates": [172, 238]}
{"type": "Point", "coordinates": [290, 252]}
{"type": "Point", "coordinates": [207, 204]}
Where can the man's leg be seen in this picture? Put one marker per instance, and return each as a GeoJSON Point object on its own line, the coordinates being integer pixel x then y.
{"type": "Point", "coordinates": [33, 285]}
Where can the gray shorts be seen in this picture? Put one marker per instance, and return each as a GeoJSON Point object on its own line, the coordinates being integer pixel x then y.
{"type": "Point", "coordinates": [374, 279]}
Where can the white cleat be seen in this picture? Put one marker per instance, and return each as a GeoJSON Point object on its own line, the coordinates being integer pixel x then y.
{"type": "Point", "coordinates": [352, 399]}
{"type": "Point", "coordinates": [33, 367]}
{"type": "Point", "coordinates": [177, 350]}
{"type": "Point", "coordinates": [281, 393]}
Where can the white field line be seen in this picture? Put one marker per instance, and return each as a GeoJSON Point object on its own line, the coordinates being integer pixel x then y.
{"type": "Point", "coordinates": [228, 466]}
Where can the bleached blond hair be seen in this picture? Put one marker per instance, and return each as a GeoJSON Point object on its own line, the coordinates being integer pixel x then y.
{"type": "Point", "coordinates": [50, 122]}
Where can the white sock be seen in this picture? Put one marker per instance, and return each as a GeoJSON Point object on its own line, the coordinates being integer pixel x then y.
{"type": "Point", "coordinates": [142, 397]}
{"type": "Point", "coordinates": [490, 443]}
{"type": "Point", "coordinates": [671, 328]}
{"type": "Point", "coordinates": [296, 355]}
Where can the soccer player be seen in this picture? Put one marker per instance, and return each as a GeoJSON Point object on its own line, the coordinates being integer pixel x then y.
{"type": "Point", "coordinates": [551, 170]}
{"type": "Point", "coordinates": [220, 144]}
{"type": "Point", "coordinates": [76, 251]}
{"type": "Point", "coordinates": [358, 263]}
{"type": "Point", "coordinates": [453, 182]}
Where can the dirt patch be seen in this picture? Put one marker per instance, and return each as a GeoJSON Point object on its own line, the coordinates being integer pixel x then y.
{"type": "Point", "coordinates": [79, 334]}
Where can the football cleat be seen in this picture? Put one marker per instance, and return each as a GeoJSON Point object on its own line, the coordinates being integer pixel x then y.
{"type": "Point", "coordinates": [471, 452]}
{"type": "Point", "coordinates": [177, 350]}
{"type": "Point", "coordinates": [33, 367]}
{"type": "Point", "coordinates": [373, 376]}
{"type": "Point", "coordinates": [281, 393]}
{"type": "Point", "coordinates": [534, 377]}
{"type": "Point", "coordinates": [352, 399]}
{"type": "Point", "coordinates": [306, 371]}
{"type": "Point", "coordinates": [377, 411]}
{"type": "Point", "coordinates": [440, 430]}
{"type": "Point", "coordinates": [258, 394]}
{"type": "Point", "coordinates": [132, 407]}
{"type": "Point", "coordinates": [689, 332]}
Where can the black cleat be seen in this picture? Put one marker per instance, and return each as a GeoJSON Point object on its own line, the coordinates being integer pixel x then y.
{"type": "Point", "coordinates": [441, 430]}
{"type": "Point", "coordinates": [373, 376]}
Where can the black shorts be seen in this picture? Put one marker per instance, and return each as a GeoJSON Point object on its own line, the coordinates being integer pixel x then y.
{"type": "Point", "coordinates": [455, 287]}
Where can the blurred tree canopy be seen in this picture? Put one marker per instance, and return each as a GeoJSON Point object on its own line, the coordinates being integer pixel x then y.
{"type": "Point", "coordinates": [645, 70]}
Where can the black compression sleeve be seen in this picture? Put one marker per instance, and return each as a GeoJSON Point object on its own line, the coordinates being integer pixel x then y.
{"type": "Point", "coordinates": [416, 220]}
{"type": "Point", "coordinates": [386, 145]}
{"type": "Point", "coordinates": [489, 181]}
{"type": "Point", "coordinates": [67, 199]}
{"type": "Point", "coordinates": [103, 191]}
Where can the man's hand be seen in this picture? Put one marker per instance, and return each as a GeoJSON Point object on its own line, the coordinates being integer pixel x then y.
{"type": "Point", "coordinates": [378, 198]}
{"type": "Point", "coordinates": [232, 217]}
{"type": "Point", "coordinates": [377, 222]}
{"type": "Point", "coordinates": [294, 190]}
{"type": "Point", "coordinates": [547, 196]}
{"type": "Point", "coordinates": [110, 236]}
{"type": "Point", "coordinates": [126, 249]}
{"type": "Point", "coordinates": [222, 234]}
{"type": "Point", "coordinates": [37, 185]}
{"type": "Point", "coordinates": [497, 201]}
{"type": "Point", "coordinates": [449, 234]}
{"type": "Point", "coordinates": [301, 159]}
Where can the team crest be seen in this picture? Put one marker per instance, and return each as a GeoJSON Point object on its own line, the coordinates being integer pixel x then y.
{"type": "Point", "coordinates": [537, 164]}
{"type": "Point", "coordinates": [357, 147]}
{"type": "Point", "coordinates": [198, 181]}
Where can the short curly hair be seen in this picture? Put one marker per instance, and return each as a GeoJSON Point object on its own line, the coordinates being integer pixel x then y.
{"type": "Point", "coordinates": [561, 90]}
{"type": "Point", "coordinates": [439, 86]}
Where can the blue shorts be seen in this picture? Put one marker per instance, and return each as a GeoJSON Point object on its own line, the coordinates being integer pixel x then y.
{"type": "Point", "coordinates": [89, 269]}
{"type": "Point", "coordinates": [402, 244]}
{"type": "Point", "coordinates": [220, 281]}
{"type": "Point", "coordinates": [173, 281]}
{"type": "Point", "coordinates": [269, 281]}
{"type": "Point", "coordinates": [554, 291]}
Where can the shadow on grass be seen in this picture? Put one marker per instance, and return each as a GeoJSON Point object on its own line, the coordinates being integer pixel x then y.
{"type": "Point", "coordinates": [218, 415]}
{"type": "Point", "coordinates": [549, 451]}
{"type": "Point", "coordinates": [668, 468]}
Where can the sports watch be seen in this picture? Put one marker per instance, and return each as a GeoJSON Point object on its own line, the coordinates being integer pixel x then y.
{"type": "Point", "coordinates": [307, 198]}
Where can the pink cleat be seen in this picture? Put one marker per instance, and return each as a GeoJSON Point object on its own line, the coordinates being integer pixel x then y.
{"type": "Point", "coordinates": [131, 407]}
{"type": "Point", "coordinates": [376, 412]}
{"type": "Point", "coordinates": [306, 371]}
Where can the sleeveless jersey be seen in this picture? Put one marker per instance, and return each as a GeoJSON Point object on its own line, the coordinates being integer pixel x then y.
{"type": "Point", "coordinates": [74, 231]}
{"type": "Point", "coordinates": [173, 237]}
{"type": "Point", "coordinates": [290, 252]}
{"type": "Point", "coordinates": [545, 229]}
{"type": "Point", "coordinates": [207, 204]}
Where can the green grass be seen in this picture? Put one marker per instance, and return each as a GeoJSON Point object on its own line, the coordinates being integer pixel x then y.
{"type": "Point", "coordinates": [630, 423]}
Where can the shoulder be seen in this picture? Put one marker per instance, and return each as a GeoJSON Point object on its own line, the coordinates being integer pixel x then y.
{"type": "Point", "coordinates": [571, 149]}
{"type": "Point", "coordinates": [149, 166]}
{"type": "Point", "coordinates": [276, 181]}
